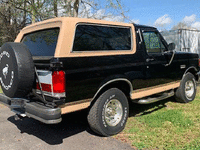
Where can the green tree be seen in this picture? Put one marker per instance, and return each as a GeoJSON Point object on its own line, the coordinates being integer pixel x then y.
{"type": "Point", "coordinates": [16, 14]}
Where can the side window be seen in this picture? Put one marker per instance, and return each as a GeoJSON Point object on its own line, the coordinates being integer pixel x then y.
{"type": "Point", "coordinates": [152, 42]}
{"type": "Point", "coordinates": [43, 42]}
{"type": "Point", "coordinates": [101, 38]}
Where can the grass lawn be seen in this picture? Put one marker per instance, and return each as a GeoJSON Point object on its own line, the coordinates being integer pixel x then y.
{"type": "Point", "coordinates": [164, 125]}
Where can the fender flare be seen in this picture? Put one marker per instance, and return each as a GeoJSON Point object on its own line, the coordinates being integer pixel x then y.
{"type": "Point", "coordinates": [112, 81]}
{"type": "Point", "coordinates": [191, 67]}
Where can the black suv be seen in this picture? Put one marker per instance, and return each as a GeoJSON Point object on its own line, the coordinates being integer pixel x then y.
{"type": "Point", "coordinates": [63, 65]}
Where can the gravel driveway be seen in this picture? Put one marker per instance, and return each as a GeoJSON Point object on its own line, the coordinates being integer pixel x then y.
{"type": "Point", "coordinates": [73, 133]}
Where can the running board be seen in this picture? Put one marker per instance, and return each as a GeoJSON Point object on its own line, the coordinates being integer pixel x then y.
{"type": "Point", "coordinates": [154, 99]}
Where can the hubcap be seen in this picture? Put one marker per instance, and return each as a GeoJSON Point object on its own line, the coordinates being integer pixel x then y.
{"type": "Point", "coordinates": [113, 112]}
{"type": "Point", "coordinates": [189, 89]}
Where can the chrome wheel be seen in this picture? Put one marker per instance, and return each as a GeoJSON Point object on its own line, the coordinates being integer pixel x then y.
{"type": "Point", "coordinates": [113, 112]}
{"type": "Point", "coordinates": [189, 89]}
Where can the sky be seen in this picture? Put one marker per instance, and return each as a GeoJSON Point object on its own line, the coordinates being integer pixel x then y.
{"type": "Point", "coordinates": [163, 14]}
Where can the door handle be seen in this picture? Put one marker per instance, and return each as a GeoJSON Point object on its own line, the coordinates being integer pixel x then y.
{"type": "Point", "coordinates": [149, 59]}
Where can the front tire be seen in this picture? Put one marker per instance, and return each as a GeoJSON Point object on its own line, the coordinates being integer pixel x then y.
{"type": "Point", "coordinates": [187, 90]}
{"type": "Point", "coordinates": [109, 113]}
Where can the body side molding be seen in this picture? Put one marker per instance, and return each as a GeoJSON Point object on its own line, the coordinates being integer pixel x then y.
{"type": "Point", "coordinates": [74, 106]}
{"type": "Point", "coordinates": [136, 94]}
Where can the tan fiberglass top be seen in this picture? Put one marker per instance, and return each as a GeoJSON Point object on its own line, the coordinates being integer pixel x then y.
{"type": "Point", "coordinates": [66, 36]}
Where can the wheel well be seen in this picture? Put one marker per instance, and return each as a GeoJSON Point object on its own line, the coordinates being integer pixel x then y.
{"type": "Point", "coordinates": [194, 72]}
{"type": "Point", "coordinates": [121, 85]}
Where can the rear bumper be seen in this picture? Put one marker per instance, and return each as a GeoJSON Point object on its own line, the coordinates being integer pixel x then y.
{"type": "Point", "coordinates": [38, 111]}
{"type": "Point", "coordinates": [5, 100]}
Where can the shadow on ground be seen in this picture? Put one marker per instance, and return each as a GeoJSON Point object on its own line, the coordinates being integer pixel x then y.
{"type": "Point", "coordinates": [71, 124]}
{"type": "Point", "coordinates": [144, 109]}
{"type": "Point", "coordinates": [74, 123]}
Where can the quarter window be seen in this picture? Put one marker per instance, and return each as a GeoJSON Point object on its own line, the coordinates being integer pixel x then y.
{"type": "Point", "coordinates": [101, 38]}
{"type": "Point", "coordinates": [42, 43]}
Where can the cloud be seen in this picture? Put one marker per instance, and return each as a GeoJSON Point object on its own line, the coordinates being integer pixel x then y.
{"type": "Point", "coordinates": [135, 21]}
{"type": "Point", "coordinates": [99, 14]}
{"type": "Point", "coordinates": [189, 19]}
{"type": "Point", "coordinates": [196, 25]}
{"type": "Point", "coordinates": [86, 11]}
{"type": "Point", "coordinates": [114, 18]}
{"type": "Point", "coordinates": [163, 21]}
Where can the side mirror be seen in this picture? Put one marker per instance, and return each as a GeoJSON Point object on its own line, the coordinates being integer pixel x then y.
{"type": "Point", "coordinates": [171, 46]}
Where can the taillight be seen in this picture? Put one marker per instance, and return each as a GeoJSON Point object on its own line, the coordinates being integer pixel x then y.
{"type": "Point", "coordinates": [52, 83]}
{"type": "Point", "coordinates": [45, 87]}
{"type": "Point", "coordinates": [58, 81]}
{"type": "Point", "coordinates": [199, 62]}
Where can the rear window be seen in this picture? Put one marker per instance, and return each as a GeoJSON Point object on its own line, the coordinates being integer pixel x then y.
{"type": "Point", "coordinates": [102, 38]}
{"type": "Point", "coordinates": [42, 43]}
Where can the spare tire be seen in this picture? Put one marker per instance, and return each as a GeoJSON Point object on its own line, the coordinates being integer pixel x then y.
{"type": "Point", "coordinates": [17, 73]}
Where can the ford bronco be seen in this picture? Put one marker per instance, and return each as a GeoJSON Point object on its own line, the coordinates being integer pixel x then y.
{"type": "Point", "coordinates": [64, 65]}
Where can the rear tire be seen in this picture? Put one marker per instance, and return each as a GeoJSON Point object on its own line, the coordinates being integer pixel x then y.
{"type": "Point", "coordinates": [17, 73]}
{"type": "Point", "coordinates": [109, 113]}
{"type": "Point", "coordinates": [187, 90]}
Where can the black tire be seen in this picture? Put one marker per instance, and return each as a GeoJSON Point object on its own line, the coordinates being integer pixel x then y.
{"type": "Point", "coordinates": [96, 116]}
{"type": "Point", "coordinates": [187, 89]}
{"type": "Point", "coordinates": [17, 73]}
